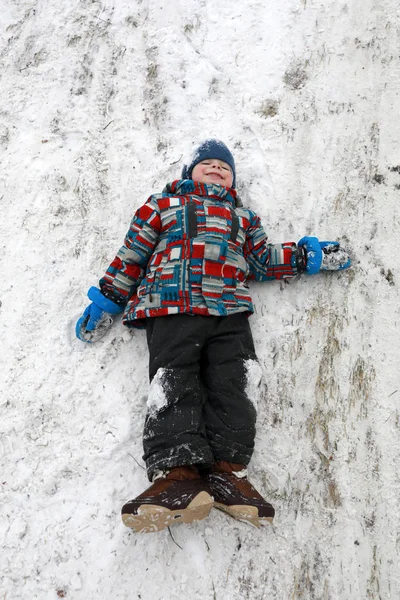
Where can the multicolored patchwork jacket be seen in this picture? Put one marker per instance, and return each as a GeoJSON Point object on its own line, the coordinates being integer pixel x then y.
{"type": "Point", "coordinates": [191, 250]}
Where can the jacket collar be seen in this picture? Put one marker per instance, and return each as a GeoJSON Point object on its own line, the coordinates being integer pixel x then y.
{"type": "Point", "coordinates": [181, 187]}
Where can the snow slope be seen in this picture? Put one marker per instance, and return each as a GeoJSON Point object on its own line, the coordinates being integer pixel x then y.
{"type": "Point", "coordinates": [99, 102]}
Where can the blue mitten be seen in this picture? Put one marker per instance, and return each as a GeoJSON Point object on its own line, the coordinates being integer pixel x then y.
{"type": "Point", "coordinates": [323, 256]}
{"type": "Point", "coordinates": [96, 318]}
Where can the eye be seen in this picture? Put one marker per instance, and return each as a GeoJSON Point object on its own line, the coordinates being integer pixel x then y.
{"type": "Point", "coordinates": [226, 168]}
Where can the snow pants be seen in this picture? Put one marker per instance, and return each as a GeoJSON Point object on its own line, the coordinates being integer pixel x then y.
{"type": "Point", "coordinates": [199, 410]}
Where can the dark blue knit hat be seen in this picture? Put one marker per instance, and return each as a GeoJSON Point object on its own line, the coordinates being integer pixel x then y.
{"type": "Point", "coordinates": [210, 149]}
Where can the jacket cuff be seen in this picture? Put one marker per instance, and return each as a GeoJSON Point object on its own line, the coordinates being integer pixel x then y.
{"type": "Point", "coordinates": [300, 257]}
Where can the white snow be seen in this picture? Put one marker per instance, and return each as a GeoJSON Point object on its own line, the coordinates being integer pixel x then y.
{"type": "Point", "coordinates": [99, 103]}
{"type": "Point", "coordinates": [157, 399]}
{"type": "Point", "coordinates": [253, 381]}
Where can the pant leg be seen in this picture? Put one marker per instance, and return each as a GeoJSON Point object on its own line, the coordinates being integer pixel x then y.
{"type": "Point", "coordinates": [231, 374]}
{"type": "Point", "coordinates": [174, 432]}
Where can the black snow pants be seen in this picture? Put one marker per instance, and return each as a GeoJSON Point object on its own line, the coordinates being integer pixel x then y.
{"type": "Point", "coordinates": [199, 410]}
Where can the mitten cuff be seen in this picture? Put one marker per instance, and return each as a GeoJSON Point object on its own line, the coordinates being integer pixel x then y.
{"type": "Point", "coordinates": [104, 303]}
{"type": "Point", "coordinates": [313, 254]}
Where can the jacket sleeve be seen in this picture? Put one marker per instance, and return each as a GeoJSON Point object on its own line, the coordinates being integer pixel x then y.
{"type": "Point", "coordinates": [270, 261]}
{"type": "Point", "coordinates": [128, 268]}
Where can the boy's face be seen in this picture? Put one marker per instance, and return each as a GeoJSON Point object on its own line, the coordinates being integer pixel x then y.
{"type": "Point", "coordinates": [213, 170]}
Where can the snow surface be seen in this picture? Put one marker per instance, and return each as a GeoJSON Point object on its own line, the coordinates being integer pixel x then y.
{"type": "Point", "coordinates": [156, 397]}
{"type": "Point", "coordinates": [254, 378]}
{"type": "Point", "coordinates": [99, 103]}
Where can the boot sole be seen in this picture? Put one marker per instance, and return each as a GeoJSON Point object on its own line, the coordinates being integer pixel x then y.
{"type": "Point", "coordinates": [151, 517]}
{"type": "Point", "coordinates": [247, 514]}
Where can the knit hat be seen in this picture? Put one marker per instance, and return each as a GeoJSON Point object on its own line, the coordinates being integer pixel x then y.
{"type": "Point", "coordinates": [209, 149]}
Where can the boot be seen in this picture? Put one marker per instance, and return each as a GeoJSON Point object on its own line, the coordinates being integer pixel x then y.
{"type": "Point", "coordinates": [235, 495]}
{"type": "Point", "coordinates": [179, 495]}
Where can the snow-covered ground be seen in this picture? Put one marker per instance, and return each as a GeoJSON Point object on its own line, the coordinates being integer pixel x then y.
{"type": "Point", "coordinates": [99, 102]}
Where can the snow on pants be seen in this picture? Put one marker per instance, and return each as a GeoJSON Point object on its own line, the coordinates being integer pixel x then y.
{"type": "Point", "coordinates": [198, 408]}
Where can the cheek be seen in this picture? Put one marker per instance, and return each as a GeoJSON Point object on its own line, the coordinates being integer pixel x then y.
{"type": "Point", "coordinates": [229, 179]}
{"type": "Point", "coordinates": [197, 172]}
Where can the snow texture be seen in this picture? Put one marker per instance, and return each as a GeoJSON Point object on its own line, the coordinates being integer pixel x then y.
{"type": "Point", "coordinates": [334, 258]}
{"type": "Point", "coordinates": [253, 381]}
{"type": "Point", "coordinates": [99, 103]}
{"type": "Point", "coordinates": [156, 399]}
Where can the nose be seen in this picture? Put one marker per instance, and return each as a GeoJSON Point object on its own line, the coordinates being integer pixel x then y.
{"type": "Point", "coordinates": [216, 164]}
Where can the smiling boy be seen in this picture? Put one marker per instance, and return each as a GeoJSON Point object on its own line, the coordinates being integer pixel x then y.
{"type": "Point", "coordinates": [182, 274]}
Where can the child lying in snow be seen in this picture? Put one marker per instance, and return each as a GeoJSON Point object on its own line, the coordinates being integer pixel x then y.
{"type": "Point", "coordinates": [182, 273]}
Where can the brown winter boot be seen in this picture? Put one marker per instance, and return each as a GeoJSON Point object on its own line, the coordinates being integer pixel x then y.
{"type": "Point", "coordinates": [235, 495]}
{"type": "Point", "coordinates": [180, 495]}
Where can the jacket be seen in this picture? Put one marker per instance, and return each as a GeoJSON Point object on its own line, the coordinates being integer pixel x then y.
{"type": "Point", "coordinates": [191, 250]}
